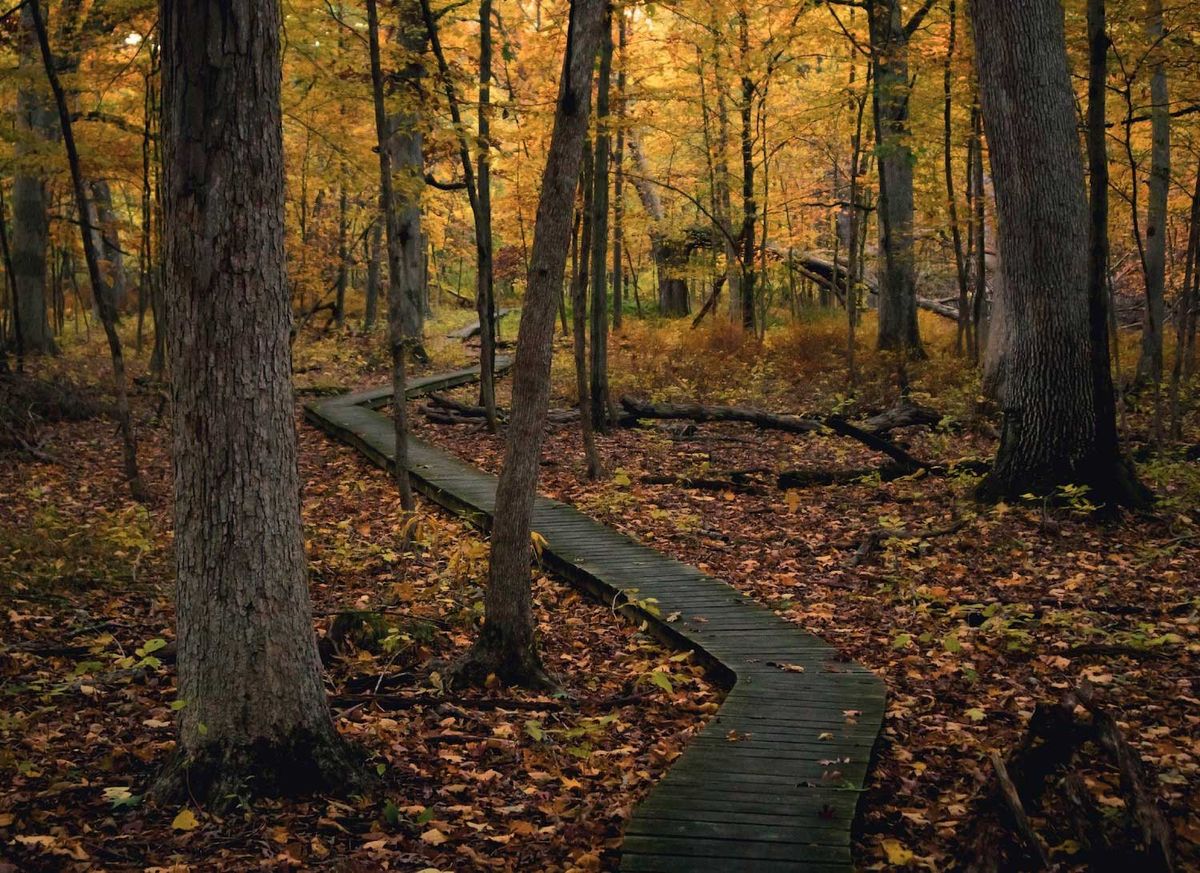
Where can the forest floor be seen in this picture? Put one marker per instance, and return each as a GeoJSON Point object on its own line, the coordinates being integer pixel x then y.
{"type": "Point", "coordinates": [970, 628]}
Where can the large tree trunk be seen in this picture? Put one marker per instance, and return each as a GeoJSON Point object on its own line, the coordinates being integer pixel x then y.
{"type": "Point", "coordinates": [506, 645]}
{"type": "Point", "coordinates": [1052, 434]}
{"type": "Point", "coordinates": [897, 273]}
{"type": "Point", "coordinates": [31, 227]}
{"type": "Point", "coordinates": [1150, 365]}
{"type": "Point", "coordinates": [255, 716]}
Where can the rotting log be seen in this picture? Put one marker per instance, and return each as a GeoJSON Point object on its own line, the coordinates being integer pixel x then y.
{"type": "Point", "coordinates": [772, 421]}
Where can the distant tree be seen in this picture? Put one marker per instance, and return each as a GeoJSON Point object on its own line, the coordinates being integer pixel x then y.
{"type": "Point", "coordinates": [890, 36]}
{"type": "Point", "coordinates": [506, 646]}
{"type": "Point", "coordinates": [1059, 421]}
{"type": "Point", "coordinates": [254, 717]}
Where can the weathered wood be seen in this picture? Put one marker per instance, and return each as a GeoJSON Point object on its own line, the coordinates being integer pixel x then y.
{"type": "Point", "coordinates": [764, 802]}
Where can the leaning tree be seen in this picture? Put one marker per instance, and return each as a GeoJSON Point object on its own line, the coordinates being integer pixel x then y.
{"type": "Point", "coordinates": [507, 646]}
{"type": "Point", "coordinates": [1059, 420]}
{"type": "Point", "coordinates": [254, 717]}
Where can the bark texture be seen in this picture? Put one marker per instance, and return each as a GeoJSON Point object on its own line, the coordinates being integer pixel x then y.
{"type": "Point", "coordinates": [1050, 432]}
{"type": "Point", "coordinates": [506, 645]}
{"type": "Point", "coordinates": [255, 715]}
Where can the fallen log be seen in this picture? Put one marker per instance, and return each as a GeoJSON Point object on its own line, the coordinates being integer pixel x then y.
{"type": "Point", "coordinates": [771, 421]}
{"type": "Point", "coordinates": [816, 478]}
{"type": "Point", "coordinates": [739, 484]}
{"type": "Point", "coordinates": [903, 414]}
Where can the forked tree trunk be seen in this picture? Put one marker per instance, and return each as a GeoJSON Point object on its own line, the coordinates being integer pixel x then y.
{"type": "Point", "coordinates": [506, 646]}
{"type": "Point", "coordinates": [1053, 432]}
{"type": "Point", "coordinates": [255, 718]}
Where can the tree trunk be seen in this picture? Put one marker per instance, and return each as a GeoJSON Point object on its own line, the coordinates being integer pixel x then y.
{"type": "Point", "coordinates": [31, 226]}
{"type": "Point", "coordinates": [106, 240]}
{"type": "Point", "coordinates": [670, 258]}
{"type": "Point", "coordinates": [599, 398]}
{"type": "Point", "coordinates": [1150, 365]}
{"type": "Point", "coordinates": [963, 339]}
{"type": "Point", "coordinates": [343, 265]}
{"type": "Point", "coordinates": [105, 303]}
{"type": "Point", "coordinates": [506, 645]}
{"type": "Point", "coordinates": [898, 329]}
{"type": "Point", "coordinates": [749, 208]}
{"type": "Point", "coordinates": [408, 167]}
{"type": "Point", "coordinates": [374, 258]}
{"type": "Point", "coordinates": [618, 269]}
{"type": "Point", "coordinates": [1187, 310]}
{"type": "Point", "coordinates": [485, 290]}
{"type": "Point", "coordinates": [255, 716]}
{"type": "Point", "coordinates": [401, 269]}
{"type": "Point", "coordinates": [581, 245]}
{"type": "Point", "coordinates": [1052, 433]}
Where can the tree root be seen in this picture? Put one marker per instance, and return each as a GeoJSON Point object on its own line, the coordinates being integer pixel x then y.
{"type": "Point", "coordinates": [1055, 738]}
{"type": "Point", "coordinates": [304, 763]}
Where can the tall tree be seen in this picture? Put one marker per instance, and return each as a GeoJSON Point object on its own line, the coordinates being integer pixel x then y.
{"type": "Point", "coordinates": [1150, 365]}
{"type": "Point", "coordinates": [507, 646]}
{"type": "Point", "coordinates": [890, 36]}
{"type": "Point", "coordinates": [1057, 421]}
{"type": "Point", "coordinates": [404, 258]}
{"type": "Point", "coordinates": [599, 242]}
{"type": "Point", "coordinates": [31, 225]}
{"type": "Point", "coordinates": [255, 717]}
{"type": "Point", "coordinates": [103, 294]}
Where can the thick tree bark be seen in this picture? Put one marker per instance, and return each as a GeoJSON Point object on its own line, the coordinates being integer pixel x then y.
{"type": "Point", "coordinates": [598, 395]}
{"type": "Point", "coordinates": [898, 329]}
{"type": "Point", "coordinates": [1052, 433]}
{"type": "Point", "coordinates": [401, 268]}
{"type": "Point", "coordinates": [506, 645]}
{"type": "Point", "coordinates": [31, 227]}
{"type": "Point", "coordinates": [255, 716]}
{"type": "Point", "coordinates": [1150, 365]}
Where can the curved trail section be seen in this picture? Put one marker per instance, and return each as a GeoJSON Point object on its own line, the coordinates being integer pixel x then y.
{"type": "Point", "coordinates": [772, 782]}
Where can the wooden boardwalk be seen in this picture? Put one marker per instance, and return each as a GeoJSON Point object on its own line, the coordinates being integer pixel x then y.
{"type": "Point", "coordinates": [772, 782]}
